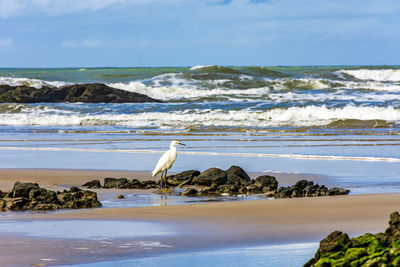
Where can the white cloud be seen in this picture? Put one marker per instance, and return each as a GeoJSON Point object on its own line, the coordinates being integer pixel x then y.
{"type": "Point", "coordinates": [6, 42]}
{"type": "Point", "coordinates": [10, 7]}
{"type": "Point", "coordinates": [83, 43]}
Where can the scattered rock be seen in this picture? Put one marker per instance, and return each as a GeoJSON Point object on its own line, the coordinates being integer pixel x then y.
{"type": "Point", "coordinates": [182, 177]}
{"type": "Point", "coordinates": [382, 249]}
{"type": "Point", "coordinates": [115, 182]}
{"type": "Point", "coordinates": [190, 192]}
{"type": "Point", "coordinates": [209, 176]}
{"type": "Point", "coordinates": [266, 183]}
{"type": "Point", "coordinates": [235, 174]}
{"type": "Point", "coordinates": [92, 184]}
{"type": "Point", "coordinates": [29, 196]}
{"type": "Point", "coordinates": [304, 188]}
{"type": "Point", "coordinates": [233, 181]}
{"type": "Point", "coordinates": [22, 189]}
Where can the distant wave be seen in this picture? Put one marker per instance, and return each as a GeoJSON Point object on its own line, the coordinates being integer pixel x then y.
{"type": "Point", "coordinates": [383, 75]}
{"type": "Point", "coordinates": [296, 156]}
{"type": "Point", "coordinates": [198, 67]}
{"type": "Point", "coordinates": [282, 90]}
{"type": "Point", "coordinates": [206, 118]}
{"type": "Point", "coordinates": [36, 83]}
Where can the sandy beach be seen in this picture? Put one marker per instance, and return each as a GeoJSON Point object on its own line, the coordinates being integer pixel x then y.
{"type": "Point", "coordinates": [197, 226]}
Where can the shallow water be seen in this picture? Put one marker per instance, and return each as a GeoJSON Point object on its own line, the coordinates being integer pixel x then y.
{"type": "Point", "coordinates": [110, 200]}
{"type": "Point", "coordinates": [87, 229]}
{"type": "Point", "coordinates": [270, 256]}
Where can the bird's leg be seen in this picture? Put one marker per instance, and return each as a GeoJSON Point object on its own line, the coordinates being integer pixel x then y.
{"type": "Point", "coordinates": [165, 179]}
{"type": "Point", "coordinates": [161, 182]}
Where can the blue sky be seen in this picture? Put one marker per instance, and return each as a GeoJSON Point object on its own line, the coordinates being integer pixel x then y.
{"type": "Point", "coordinates": [90, 33]}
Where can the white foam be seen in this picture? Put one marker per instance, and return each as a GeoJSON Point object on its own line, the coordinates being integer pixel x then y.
{"type": "Point", "coordinates": [294, 156]}
{"type": "Point", "coordinates": [36, 83]}
{"type": "Point", "coordinates": [194, 118]}
{"type": "Point", "coordinates": [187, 91]}
{"type": "Point", "coordinates": [198, 67]}
{"type": "Point", "coordinates": [390, 75]}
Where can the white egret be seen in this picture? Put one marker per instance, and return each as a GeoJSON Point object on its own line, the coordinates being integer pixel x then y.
{"type": "Point", "coordinates": [165, 163]}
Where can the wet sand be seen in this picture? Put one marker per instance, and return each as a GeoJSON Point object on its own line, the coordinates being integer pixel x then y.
{"type": "Point", "coordinates": [61, 177]}
{"type": "Point", "coordinates": [198, 226]}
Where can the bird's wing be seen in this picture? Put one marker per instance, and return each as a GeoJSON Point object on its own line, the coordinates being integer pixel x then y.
{"type": "Point", "coordinates": [162, 163]}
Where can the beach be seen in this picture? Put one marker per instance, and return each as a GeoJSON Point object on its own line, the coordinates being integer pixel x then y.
{"type": "Point", "coordinates": [196, 227]}
{"type": "Point", "coordinates": [336, 126]}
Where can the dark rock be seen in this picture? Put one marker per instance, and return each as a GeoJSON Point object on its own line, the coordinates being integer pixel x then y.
{"type": "Point", "coordinates": [302, 184]}
{"type": "Point", "coordinates": [236, 174]}
{"type": "Point", "coordinates": [242, 190]}
{"type": "Point", "coordinates": [335, 191]}
{"type": "Point", "coordinates": [88, 93]}
{"type": "Point", "coordinates": [267, 181]}
{"type": "Point", "coordinates": [183, 176]}
{"type": "Point", "coordinates": [393, 231]}
{"type": "Point", "coordinates": [184, 183]}
{"type": "Point", "coordinates": [304, 188]}
{"type": "Point", "coordinates": [77, 198]}
{"type": "Point", "coordinates": [92, 184]}
{"type": "Point", "coordinates": [209, 176]}
{"type": "Point", "coordinates": [148, 184]}
{"type": "Point", "coordinates": [22, 189]}
{"type": "Point", "coordinates": [209, 190]}
{"type": "Point", "coordinates": [382, 249]}
{"type": "Point", "coordinates": [121, 196]}
{"type": "Point", "coordinates": [30, 196]}
{"type": "Point", "coordinates": [134, 184]}
{"type": "Point", "coordinates": [115, 182]}
{"type": "Point", "coordinates": [190, 192]}
{"type": "Point", "coordinates": [335, 241]}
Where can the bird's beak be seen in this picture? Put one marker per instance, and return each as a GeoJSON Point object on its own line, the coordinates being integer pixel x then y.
{"type": "Point", "coordinates": [181, 144]}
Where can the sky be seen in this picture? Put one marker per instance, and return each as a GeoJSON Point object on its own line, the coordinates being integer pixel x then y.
{"type": "Point", "coordinates": [129, 33]}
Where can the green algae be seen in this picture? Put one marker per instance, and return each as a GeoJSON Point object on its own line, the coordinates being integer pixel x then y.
{"type": "Point", "coordinates": [382, 249]}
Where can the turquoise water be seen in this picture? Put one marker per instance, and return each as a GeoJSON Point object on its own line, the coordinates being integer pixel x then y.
{"type": "Point", "coordinates": [338, 121]}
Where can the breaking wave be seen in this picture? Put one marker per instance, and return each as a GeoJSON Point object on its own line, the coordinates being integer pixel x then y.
{"type": "Point", "coordinates": [207, 118]}
{"type": "Point", "coordinates": [383, 75]}
{"type": "Point", "coordinates": [36, 83]}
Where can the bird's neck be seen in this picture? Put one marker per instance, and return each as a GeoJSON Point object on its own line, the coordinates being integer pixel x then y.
{"type": "Point", "coordinates": [172, 147]}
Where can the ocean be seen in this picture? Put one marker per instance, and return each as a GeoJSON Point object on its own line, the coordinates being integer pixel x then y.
{"type": "Point", "coordinates": [338, 121]}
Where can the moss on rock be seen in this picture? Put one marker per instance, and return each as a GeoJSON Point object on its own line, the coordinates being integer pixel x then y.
{"type": "Point", "coordinates": [382, 249]}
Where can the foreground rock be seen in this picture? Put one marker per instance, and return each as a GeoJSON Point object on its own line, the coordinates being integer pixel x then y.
{"type": "Point", "coordinates": [29, 196]}
{"type": "Point", "coordinates": [122, 183]}
{"type": "Point", "coordinates": [304, 188]}
{"type": "Point", "coordinates": [87, 93]}
{"type": "Point", "coordinates": [217, 182]}
{"type": "Point", "coordinates": [382, 249]}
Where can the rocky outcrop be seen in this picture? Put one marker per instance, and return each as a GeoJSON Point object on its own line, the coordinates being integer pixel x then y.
{"type": "Point", "coordinates": [210, 176]}
{"type": "Point", "coordinates": [233, 181]}
{"type": "Point", "coordinates": [266, 182]}
{"type": "Point", "coordinates": [304, 188]}
{"type": "Point", "coordinates": [382, 249]}
{"type": "Point", "coordinates": [235, 174]}
{"type": "Point", "coordinates": [87, 93]}
{"type": "Point", "coordinates": [182, 178]}
{"type": "Point", "coordinates": [92, 184]}
{"type": "Point", "coordinates": [190, 192]}
{"type": "Point", "coordinates": [29, 196]}
{"type": "Point", "coordinates": [115, 182]}
{"type": "Point", "coordinates": [122, 183]}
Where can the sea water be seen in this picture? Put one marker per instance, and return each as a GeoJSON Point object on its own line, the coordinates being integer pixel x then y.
{"type": "Point", "coordinates": [342, 121]}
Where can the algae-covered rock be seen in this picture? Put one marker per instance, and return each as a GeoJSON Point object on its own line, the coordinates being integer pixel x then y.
{"type": "Point", "coordinates": [382, 249]}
